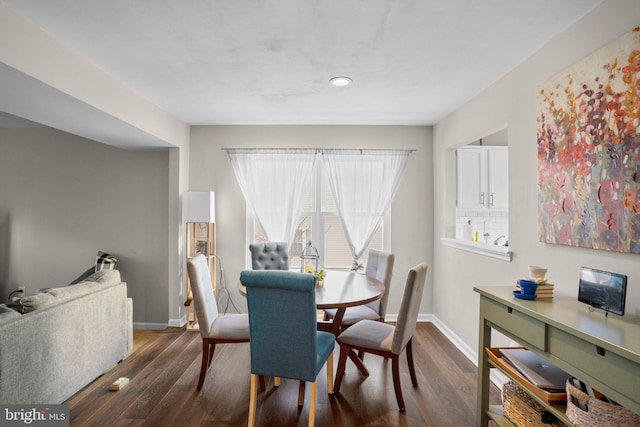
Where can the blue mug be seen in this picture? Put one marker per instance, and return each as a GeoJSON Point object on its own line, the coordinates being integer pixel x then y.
{"type": "Point", "coordinates": [528, 287]}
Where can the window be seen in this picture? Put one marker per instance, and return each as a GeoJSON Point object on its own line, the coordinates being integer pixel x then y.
{"type": "Point", "coordinates": [319, 222]}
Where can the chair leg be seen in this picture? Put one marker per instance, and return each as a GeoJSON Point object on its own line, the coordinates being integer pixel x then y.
{"type": "Point", "coordinates": [252, 401]}
{"type": "Point", "coordinates": [344, 350]}
{"type": "Point", "coordinates": [212, 348]}
{"type": "Point", "coordinates": [312, 404]}
{"type": "Point", "coordinates": [358, 362]}
{"type": "Point", "coordinates": [205, 363]}
{"type": "Point", "coordinates": [276, 381]}
{"type": "Point", "coordinates": [412, 369]}
{"type": "Point", "coordinates": [330, 373]}
{"type": "Point", "coordinates": [263, 386]}
{"type": "Point", "coordinates": [301, 393]}
{"type": "Point", "coordinates": [395, 369]}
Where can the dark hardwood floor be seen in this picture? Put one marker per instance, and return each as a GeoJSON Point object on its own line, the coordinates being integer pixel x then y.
{"type": "Point", "coordinates": [164, 369]}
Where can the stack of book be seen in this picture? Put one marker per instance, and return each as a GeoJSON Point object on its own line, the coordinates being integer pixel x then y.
{"type": "Point", "coordinates": [544, 290]}
{"type": "Point", "coordinates": [119, 384]}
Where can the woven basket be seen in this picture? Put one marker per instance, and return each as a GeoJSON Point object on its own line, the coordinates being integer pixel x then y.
{"type": "Point", "coordinates": [599, 413]}
{"type": "Point", "coordinates": [522, 410]}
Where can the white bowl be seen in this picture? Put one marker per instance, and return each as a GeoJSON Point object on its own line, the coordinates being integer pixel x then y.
{"type": "Point", "coordinates": [537, 273]}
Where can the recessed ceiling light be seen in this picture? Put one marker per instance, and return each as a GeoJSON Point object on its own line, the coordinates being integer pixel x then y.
{"type": "Point", "coordinates": [341, 81]}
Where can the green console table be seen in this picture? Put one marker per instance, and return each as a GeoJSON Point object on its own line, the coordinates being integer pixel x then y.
{"type": "Point", "coordinates": [602, 351]}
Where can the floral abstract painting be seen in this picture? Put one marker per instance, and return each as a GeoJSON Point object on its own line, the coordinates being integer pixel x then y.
{"type": "Point", "coordinates": [589, 151]}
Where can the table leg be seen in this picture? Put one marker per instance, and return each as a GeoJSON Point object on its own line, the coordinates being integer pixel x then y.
{"type": "Point", "coordinates": [337, 321]}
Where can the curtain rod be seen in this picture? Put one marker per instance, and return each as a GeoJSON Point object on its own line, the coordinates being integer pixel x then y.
{"type": "Point", "coordinates": [321, 150]}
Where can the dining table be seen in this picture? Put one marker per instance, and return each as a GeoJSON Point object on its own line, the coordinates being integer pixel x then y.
{"type": "Point", "coordinates": [344, 289]}
{"type": "Point", "coordinates": [341, 290]}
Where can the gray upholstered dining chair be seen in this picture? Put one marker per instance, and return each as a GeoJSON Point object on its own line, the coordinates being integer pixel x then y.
{"type": "Point", "coordinates": [214, 329]}
{"type": "Point", "coordinates": [285, 342]}
{"type": "Point", "coordinates": [380, 267]}
{"type": "Point", "coordinates": [387, 340]}
{"type": "Point", "coordinates": [269, 256]}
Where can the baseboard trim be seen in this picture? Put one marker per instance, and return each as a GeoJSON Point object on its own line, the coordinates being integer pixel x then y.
{"type": "Point", "coordinates": [469, 352]}
{"type": "Point", "coordinates": [178, 323]}
{"type": "Point", "coordinates": [150, 326]}
{"type": "Point", "coordinates": [421, 318]}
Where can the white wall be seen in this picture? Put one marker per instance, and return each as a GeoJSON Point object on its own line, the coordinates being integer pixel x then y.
{"type": "Point", "coordinates": [511, 103]}
{"type": "Point", "coordinates": [63, 198]}
{"type": "Point", "coordinates": [412, 209]}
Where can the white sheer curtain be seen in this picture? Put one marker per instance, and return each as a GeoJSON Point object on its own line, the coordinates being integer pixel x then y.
{"type": "Point", "coordinates": [272, 181]}
{"type": "Point", "coordinates": [363, 183]}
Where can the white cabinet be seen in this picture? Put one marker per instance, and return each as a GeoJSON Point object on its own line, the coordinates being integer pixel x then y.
{"type": "Point", "coordinates": [498, 181]}
{"type": "Point", "coordinates": [471, 180]}
{"type": "Point", "coordinates": [482, 177]}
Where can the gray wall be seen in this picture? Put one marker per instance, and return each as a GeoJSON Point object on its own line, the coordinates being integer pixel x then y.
{"type": "Point", "coordinates": [63, 198]}
{"type": "Point", "coordinates": [411, 212]}
{"type": "Point", "coordinates": [511, 103]}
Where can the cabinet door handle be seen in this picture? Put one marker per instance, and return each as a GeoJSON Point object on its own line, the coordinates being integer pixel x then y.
{"type": "Point", "coordinates": [491, 199]}
{"type": "Point", "coordinates": [482, 198]}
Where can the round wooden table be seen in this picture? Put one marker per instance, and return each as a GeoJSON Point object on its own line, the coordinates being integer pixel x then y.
{"type": "Point", "coordinates": [344, 289]}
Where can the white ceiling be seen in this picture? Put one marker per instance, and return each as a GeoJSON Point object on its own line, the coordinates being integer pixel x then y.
{"type": "Point", "coordinates": [269, 62]}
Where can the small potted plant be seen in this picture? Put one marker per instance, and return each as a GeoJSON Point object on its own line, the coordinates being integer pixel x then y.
{"type": "Point", "coordinates": [320, 277]}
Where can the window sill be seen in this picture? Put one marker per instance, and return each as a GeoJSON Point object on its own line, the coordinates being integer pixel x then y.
{"type": "Point", "coordinates": [494, 251]}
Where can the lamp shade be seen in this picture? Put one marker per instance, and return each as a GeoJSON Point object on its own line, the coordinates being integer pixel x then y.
{"type": "Point", "coordinates": [201, 206]}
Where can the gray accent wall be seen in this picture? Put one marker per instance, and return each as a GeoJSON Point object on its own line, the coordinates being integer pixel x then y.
{"type": "Point", "coordinates": [63, 198]}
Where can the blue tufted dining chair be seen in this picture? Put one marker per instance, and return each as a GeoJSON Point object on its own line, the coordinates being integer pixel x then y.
{"type": "Point", "coordinates": [387, 340]}
{"type": "Point", "coordinates": [285, 342]}
{"type": "Point", "coordinates": [269, 256]}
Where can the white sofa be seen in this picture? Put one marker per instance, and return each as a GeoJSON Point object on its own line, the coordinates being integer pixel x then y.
{"type": "Point", "coordinates": [65, 339]}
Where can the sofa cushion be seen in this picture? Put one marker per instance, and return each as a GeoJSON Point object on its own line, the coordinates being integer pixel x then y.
{"type": "Point", "coordinates": [103, 276]}
{"type": "Point", "coordinates": [105, 261]}
{"type": "Point", "coordinates": [54, 296]}
{"type": "Point", "coordinates": [34, 302]}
